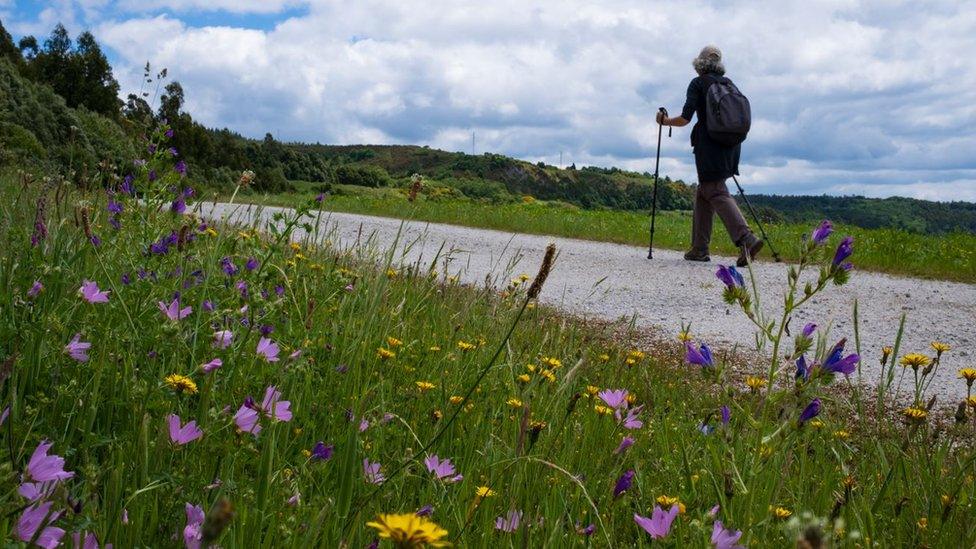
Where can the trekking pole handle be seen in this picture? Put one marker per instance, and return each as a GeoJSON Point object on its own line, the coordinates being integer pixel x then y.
{"type": "Point", "coordinates": [664, 112]}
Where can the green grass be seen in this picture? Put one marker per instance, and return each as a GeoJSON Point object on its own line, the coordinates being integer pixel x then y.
{"type": "Point", "coordinates": [946, 257]}
{"type": "Point", "coordinates": [550, 454]}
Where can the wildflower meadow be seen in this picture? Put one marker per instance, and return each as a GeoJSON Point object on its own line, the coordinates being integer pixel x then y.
{"type": "Point", "coordinates": [174, 380]}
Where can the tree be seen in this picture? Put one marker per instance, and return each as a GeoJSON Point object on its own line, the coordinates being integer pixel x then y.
{"type": "Point", "coordinates": [28, 47]}
{"type": "Point", "coordinates": [171, 103]}
{"type": "Point", "coordinates": [99, 89]}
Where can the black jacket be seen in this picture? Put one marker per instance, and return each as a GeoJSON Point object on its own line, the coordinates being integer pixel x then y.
{"type": "Point", "coordinates": [714, 161]}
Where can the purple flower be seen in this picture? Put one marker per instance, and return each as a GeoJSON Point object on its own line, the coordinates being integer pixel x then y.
{"type": "Point", "coordinates": [192, 535]}
{"type": "Point", "coordinates": [811, 411]}
{"type": "Point", "coordinates": [181, 435]}
{"type": "Point", "coordinates": [510, 522]}
{"type": "Point", "coordinates": [127, 186]}
{"type": "Point", "coordinates": [425, 511]}
{"type": "Point", "coordinates": [614, 399]}
{"type": "Point", "coordinates": [212, 365]}
{"type": "Point", "coordinates": [809, 329]}
{"type": "Point", "coordinates": [726, 414]}
{"type": "Point", "coordinates": [659, 524]}
{"type": "Point", "coordinates": [279, 290]}
{"type": "Point", "coordinates": [90, 292]}
{"type": "Point", "coordinates": [319, 197]}
{"type": "Point", "coordinates": [251, 264]}
{"type": "Point", "coordinates": [268, 349]}
{"type": "Point", "coordinates": [372, 472]}
{"type": "Point", "coordinates": [802, 369]}
{"type": "Point", "coordinates": [223, 338]}
{"type": "Point", "coordinates": [623, 483]}
{"type": "Point", "coordinates": [836, 362]}
{"type": "Point", "coordinates": [730, 277]}
{"type": "Point", "coordinates": [114, 207]}
{"type": "Point", "coordinates": [152, 175]}
{"type": "Point", "coordinates": [43, 472]}
{"type": "Point", "coordinates": [169, 133]}
{"type": "Point", "coordinates": [321, 452]}
{"type": "Point", "coordinates": [35, 518]}
{"type": "Point", "coordinates": [180, 167]}
{"type": "Point", "coordinates": [844, 250]}
{"type": "Point", "coordinates": [585, 531]}
{"type": "Point", "coordinates": [35, 289]}
{"type": "Point", "coordinates": [228, 266]}
{"type": "Point", "coordinates": [625, 443]}
{"type": "Point", "coordinates": [173, 152]}
{"type": "Point", "coordinates": [208, 305]}
{"type": "Point", "coordinates": [821, 233]}
{"type": "Point", "coordinates": [725, 539]}
{"type": "Point", "coordinates": [78, 349]}
{"type": "Point", "coordinates": [266, 329]}
{"type": "Point", "coordinates": [4, 414]}
{"type": "Point", "coordinates": [701, 356]}
{"type": "Point", "coordinates": [178, 206]}
{"type": "Point", "coordinates": [173, 310]}
{"type": "Point", "coordinates": [442, 469]}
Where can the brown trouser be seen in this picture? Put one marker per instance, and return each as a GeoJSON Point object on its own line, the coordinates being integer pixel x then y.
{"type": "Point", "coordinates": [713, 198]}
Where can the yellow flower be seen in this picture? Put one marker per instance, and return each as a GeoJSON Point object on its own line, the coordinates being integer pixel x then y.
{"type": "Point", "coordinates": [485, 492]}
{"type": "Point", "coordinates": [385, 353]}
{"type": "Point", "coordinates": [969, 374]}
{"type": "Point", "coordinates": [971, 401]}
{"type": "Point", "coordinates": [455, 399]}
{"type": "Point", "coordinates": [465, 346]}
{"type": "Point", "coordinates": [684, 336]}
{"type": "Point", "coordinates": [306, 453]}
{"type": "Point", "coordinates": [940, 347]}
{"type": "Point", "coordinates": [514, 402]}
{"type": "Point", "coordinates": [524, 378]}
{"type": "Point", "coordinates": [915, 361]}
{"type": "Point", "coordinates": [530, 367]}
{"type": "Point", "coordinates": [946, 500]}
{"type": "Point", "coordinates": [537, 425]}
{"type": "Point", "coordinates": [243, 234]}
{"type": "Point", "coordinates": [602, 410]}
{"type": "Point", "coordinates": [631, 398]}
{"type": "Point", "coordinates": [629, 361]}
{"type": "Point", "coordinates": [295, 246]}
{"type": "Point", "coordinates": [842, 434]}
{"type": "Point", "coordinates": [210, 231]}
{"type": "Point", "coordinates": [782, 513]}
{"type": "Point", "coordinates": [523, 277]}
{"type": "Point", "coordinates": [755, 383]}
{"type": "Point", "coordinates": [390, 273]}
{"type": "Point", "coordinates": [666, 501]}
{"type": "Point", "coordinates": [436, 415]}
{"type": "Point", "coordinates": [636, 355]}
{"type": "Point", "coordinates": [885, 353]}
{"type": "Point", "coordinates": [409, 531]}
{"type": "Point", "coordinates": [816, 423]}
{"type": "Point", "coordinates": [393, 342]}
{"type": "Point", "coordinates": [552, 362]}
{"type": "Point", "coordinates": [922, 523]}
{"type": "Point", "coordinates": [424, 385]}
{"type": "Point", "coordinates": [915, 415]}
{"type": "Point", "coordinates": [849, 481]}
{"type": "Point", "coordinates": [434, 348]}
{"type": "Point", "coordinates": [181, 384]}
{"type": "Point", "coordinates": [551, 377]}
{"type": "Point", "coordinates": [592, 390]}
{"type": "Point", "coordinates": [765, 451]}
{"type": "Point", "coordinates": [604, 357]}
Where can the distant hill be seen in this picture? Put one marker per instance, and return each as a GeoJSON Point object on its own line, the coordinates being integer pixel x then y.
{"type": "Point", "coordinates": [59, 113]}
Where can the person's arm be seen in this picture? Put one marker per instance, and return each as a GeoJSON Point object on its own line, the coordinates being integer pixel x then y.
{"type": "Point", "coordinates": [687, 112]}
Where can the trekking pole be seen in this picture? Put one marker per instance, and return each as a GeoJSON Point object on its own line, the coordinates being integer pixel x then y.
{"type": "Point", "coordinates": [762, 231]}
{"type": "Point", "coordinates": [657, 164]}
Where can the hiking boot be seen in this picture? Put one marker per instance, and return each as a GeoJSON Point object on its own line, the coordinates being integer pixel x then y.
{"type": "Point", "coordinates": [696, 255]}
{"type": "Point", "coordinates": [751, 245]}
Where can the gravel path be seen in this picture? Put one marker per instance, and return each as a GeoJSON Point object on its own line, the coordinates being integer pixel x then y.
{"type": "Point", "coordinates": [613, 280]}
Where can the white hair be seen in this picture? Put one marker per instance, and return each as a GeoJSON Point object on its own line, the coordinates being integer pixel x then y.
{"type": "Point", "coordinates": [709, 60]}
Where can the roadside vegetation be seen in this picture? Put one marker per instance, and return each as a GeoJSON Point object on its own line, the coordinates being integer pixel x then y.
{"type": "Point", "coordinates": [170, 380]}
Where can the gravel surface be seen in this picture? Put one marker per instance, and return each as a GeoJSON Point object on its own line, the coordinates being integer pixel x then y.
{"type": "Point", "coordinates": [613, 280]}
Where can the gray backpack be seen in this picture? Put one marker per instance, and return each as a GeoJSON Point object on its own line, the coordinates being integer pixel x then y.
{"type": "Point", "coordinates": [728, 114]}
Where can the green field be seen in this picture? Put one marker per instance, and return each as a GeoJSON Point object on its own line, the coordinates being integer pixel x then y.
{"type": "Point", "coordinates": [947, 257]}
{"type": "Point", "coordinates": [379, 369]}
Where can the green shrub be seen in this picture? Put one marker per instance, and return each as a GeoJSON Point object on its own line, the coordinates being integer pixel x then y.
{"type": "Point", "coordinates": [363, 176]}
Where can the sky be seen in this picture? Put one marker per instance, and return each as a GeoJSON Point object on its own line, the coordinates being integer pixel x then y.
{"type": "Point", "coordinates": [871, 98]}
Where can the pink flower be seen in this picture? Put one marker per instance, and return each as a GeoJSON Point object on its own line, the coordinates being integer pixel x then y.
{"type": "Point", "coordinates": [223, 338]}
{"type": "Point", "coordinates": [268, 349]}
{"type": "Point", "coordinates": [372, 472]}
{"type": "Point", "coordinates": [212, 365]}
{"type": "Point", "coordinates": [625, 443]}
{"type": "Point", "coordinates": [510, 522]}
{"type": "Point", "coordinates": [173, 311]}
{"type": "Point", "coordinates": [725, 539]}
{"type": "Point", "coordinates": [192, 536]}
{"type": "Point", "coordinates": [43, 472]}
{"type": "Point", "coordinates": [248, 416]}
{"type": "Point", "coordinates": [39, 517]}
{"type": "Point", "coordinates": [659, 525]}
{"type": "Point", "coordinates": [90, 292]}
{"type": "Point", "coordinates": [442, 469]}
{"type": "Point", "coordinates": [181, 435]}
{"type": "Point", "coordinates": [631, 421]}
{"type": "Point", "coordinates": [78, 349]}
{"type": "Point", "coordinates": [614, 399]}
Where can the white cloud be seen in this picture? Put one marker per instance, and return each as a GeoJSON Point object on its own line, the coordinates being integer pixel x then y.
{"type": "Point", "coordinates": [845, 95]}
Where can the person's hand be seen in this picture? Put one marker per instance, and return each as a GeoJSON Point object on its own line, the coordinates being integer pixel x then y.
{"type": "Point", "coordinates": [661, 118]}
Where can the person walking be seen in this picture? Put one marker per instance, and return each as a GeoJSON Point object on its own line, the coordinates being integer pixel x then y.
{"type": "Point", "coordinates": [715, 163]}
